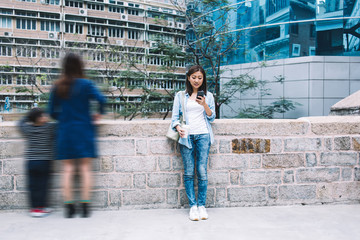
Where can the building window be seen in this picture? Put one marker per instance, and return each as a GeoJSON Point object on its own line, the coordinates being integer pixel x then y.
{"type": "Point", "coordinates": [74, 28]}
{"type": "Point", "coordinates": [116, 32]}
{"type": "Point", "coordinates": [76, 4]}
{"type": "Point", "coordinates": [296, 50]}
{"type": "Point", "coordinates": [5, 79]}
{"type": "Point", "coordinates": [50, 53]}
{"type": "Point", "coordinates": [94, 6]}
{"type": "Point", "coordinates": [95, 30]}
{"type": "Point", "coordinates": [23, 80]}
{"type": "Point", "coordinates": [26, 24]}
{"type": "Point", "coordinates": [133, 34]}
{"type": "Point", "coordinates": [116, 9]}
{"type": "Point", "coordinates": [312, 31]}
{"type": "Point", "coordinates": [133, 12]}
{"type": "Point", "coordinates": [50, 26]}
{"type": "Point", "coordinates": [5, 22]}
{"type": "Point", "coordinates": [52, 2]}
{"type": "Point", "coordinates": [5, 51]}
{"type": "Point", "coordinates": [96, 56]}
{"type": "Point", "coordinates": [50, 15]}
{"type": "Point", "coordinates": [312, 51]}
{"type": "Point", "coordinates": [26, 1]}
{"type": "Point", "coordinates": [22, 51]}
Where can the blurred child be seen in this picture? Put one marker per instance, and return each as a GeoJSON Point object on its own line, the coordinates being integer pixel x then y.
{"type": "Point", "coordinates": [39, 135]}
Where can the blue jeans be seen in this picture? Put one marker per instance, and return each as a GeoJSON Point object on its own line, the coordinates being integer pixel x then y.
{"type": "Point", "coordinates": [200, 146]}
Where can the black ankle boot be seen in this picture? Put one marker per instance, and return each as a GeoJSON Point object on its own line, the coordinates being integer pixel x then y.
{"type": "Point", "coordinates": [85, 210]}
{"type": "Point", "coordinates": [69, 210]}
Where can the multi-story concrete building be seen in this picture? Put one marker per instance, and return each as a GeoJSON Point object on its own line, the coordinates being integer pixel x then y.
{"type": "Point", "coordinates": [109, 34]}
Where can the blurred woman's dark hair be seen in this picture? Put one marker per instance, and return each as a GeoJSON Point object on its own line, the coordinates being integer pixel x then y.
{"type": "Point", "coordinates": [194, 69]}
{"type": "Point", "coordinates": [34, 114]}
{"type": "Point", "coordinates": [72, 68]}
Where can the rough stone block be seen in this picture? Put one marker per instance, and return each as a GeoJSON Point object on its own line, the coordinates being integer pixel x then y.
{"type": "Point", "coordinates": [13, 200]}
{"type": "Point", "coordinates": [288, 176]}
{"type": "Point", "coordinates": [6, 183]}
{"type": "Point", "coordinates": [214, 147]}
{"type": "Point", "coordinates": [289, 160]}
{"type": "Point", "coordinates": [218, 162]}
{"type": "Point", "coordinates": [111, 147]}
{"type": "Point", "coordinates": [260, 178]}
{"type": "Point", "coordinates": [14, 167]}
{"type": "Point", "coordinates": [251, 145]}
{"type": "Point", "coordinates": [115, 198]}
{"type": "Point", "coordinates": [162, 146]}
{"type": "Point", "coordinates": [210, 197]}
{"type": "Point", "coordinates": [273, 192]}
{"type": "Point", "coordinates": [164, 163]}
{"type": "Point", "coordinates": [342, 143]}
{"type": "Point", "coordinates": [177, 162]}
{"type": "Point", "coordinates": [276, 145]}
{"type": "Point", "coordinates": [184, 201]}
{"type": "Point", "coordinates": [95, 165]}
{"type": "Point", "coordinates": [346, 174]}
{"type": "Point", "coordinates": [143, 197]}
{"type": "Point", "coordinates": [1, 167]}
{"type": "Point", "coordinates": [338, 158]}
{"type": "Point", "coordinates": [302, 144]}
{"type": "Point", "coordinates": [234, 178]}
{"type": "Point", "coordinates": [247, 194]}
{"type": "Point", "coordinates": [141, 147]}
{"type": "Point", "coordinates": [140, 180]}
{"type": "Point", "coordinates": [21, 183]}
{"type": "Point", "coordinates": [356, 143]}
{"type": "Point", "coordinates": [357, 174]}
{"type": "Point", "coordinates": [99, 199]}
{"type": "Point", "coordinates": [339, 191]}
{"type": "Point", "coordinates": [136, 164]}
{"type": "Point", "coordinates": [105, 181]}
{"type": "Point", "coordinates": [220, 194]}
{"type": "Point", "coordinates": [12, 149]}
{"type": "Point", "coordinates": [311, 160]}
{"type": "Point", "coordinates": [317, 175]}
{"type": "Point", "coordinates": [255, 161]}
{"type": "Point", "coordinates": [106, 164]}
{"type": "Point", "coordinates": [328, 142]}
{"type": "Point", "coordinates": [172, 196]}
{"type": "Point", "coordinates": [297, 192]}
{"type": "Point", "coordinates": [218, 178]}
{"type": "Point", "coordinates": [160, 180]}
{"type": "Point", "coordinates": [224, 146]}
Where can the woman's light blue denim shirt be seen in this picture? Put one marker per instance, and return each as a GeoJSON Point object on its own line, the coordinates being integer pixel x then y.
{"type": "Point", "coordinates": [177, 112]}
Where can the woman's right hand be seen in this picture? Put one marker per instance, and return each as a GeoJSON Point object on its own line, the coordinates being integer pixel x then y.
{"type": "Point", "coordinates": [181, 131]}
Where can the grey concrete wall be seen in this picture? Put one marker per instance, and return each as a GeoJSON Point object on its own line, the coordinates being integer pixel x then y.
{"type": "Point", "coordinates": [252, 163]}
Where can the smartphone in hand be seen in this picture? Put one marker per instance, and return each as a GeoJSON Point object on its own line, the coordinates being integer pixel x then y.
{"type": "Point", "coordinates": [200, 94]}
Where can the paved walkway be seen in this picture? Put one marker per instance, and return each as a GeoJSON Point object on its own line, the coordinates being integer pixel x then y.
{"type": "Point", "coordinates": [291, 222]}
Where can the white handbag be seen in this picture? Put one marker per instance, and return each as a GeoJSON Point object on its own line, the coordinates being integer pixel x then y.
{"type": "Point", "coordinates": [171, 133]}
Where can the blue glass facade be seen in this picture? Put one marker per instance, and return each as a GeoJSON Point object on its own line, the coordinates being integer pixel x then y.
{"type": "Point", "coordinates": [277, 29]}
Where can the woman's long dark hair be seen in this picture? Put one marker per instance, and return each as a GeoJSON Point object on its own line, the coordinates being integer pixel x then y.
{"type": "Point", "coordinates": [194, 69]}
{"type": "Point", "coordinates": [72, 68]}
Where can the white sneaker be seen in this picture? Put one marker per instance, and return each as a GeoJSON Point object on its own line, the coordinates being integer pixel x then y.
{"type": "Point", "coordinates": [194, 213]}
{"type": "Point", "coordinates": [203, 214]}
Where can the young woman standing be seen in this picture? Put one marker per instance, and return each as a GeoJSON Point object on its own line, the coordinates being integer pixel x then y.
{"type": "Point", "coordinates": [70, 105]}
{"type": "Point", "coordinates": [196, 137]}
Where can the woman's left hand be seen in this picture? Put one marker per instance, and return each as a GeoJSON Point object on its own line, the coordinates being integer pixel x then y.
{"type": "Point", "coordinates": [201, 101]}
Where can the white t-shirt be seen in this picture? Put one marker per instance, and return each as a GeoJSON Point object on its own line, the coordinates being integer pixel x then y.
{"type": "Point", "coordinates": [195, 115]}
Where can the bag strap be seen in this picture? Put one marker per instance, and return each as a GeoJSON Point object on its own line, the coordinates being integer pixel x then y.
{"type": "Point", "coordinates": [183, 106]}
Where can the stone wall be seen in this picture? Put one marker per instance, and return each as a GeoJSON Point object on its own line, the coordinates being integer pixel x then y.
{"type": "Point", "coordinates": [252, 163]}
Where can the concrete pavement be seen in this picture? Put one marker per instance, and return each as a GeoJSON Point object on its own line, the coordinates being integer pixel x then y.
{"type": "Point", "coordinates": [322, 222]}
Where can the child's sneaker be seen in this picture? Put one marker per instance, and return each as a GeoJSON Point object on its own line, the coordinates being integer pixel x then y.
{"type": "Point", "coordinates": [203, 214]}
{"type": "Point", "coordinates": [194, 213]}
{"type": "Point", "coordinates": [37, 212]}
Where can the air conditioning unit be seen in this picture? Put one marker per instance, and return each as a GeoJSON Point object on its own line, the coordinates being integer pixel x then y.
{"type": "Point", "coordinates": [171, 24]}
{"type": "Point", "coordinates": [180, 25]}
{"type": "Point", "coordinates": [123, 17]}
{"type": "Point", "coordinates": [100, 40]}
{"type": "Point", "coordinates": [44, 2]}
{"type": "Point", "coordinates": [83, 12]}
{"type": "Point", "coordinates": [8, 34]}
{"type": "Point", "coordinates": [52, 35]}
{"type": "Point", "coordinates": [120, 42]}
{"type": "Point", "coordinates": [91, 39]}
